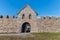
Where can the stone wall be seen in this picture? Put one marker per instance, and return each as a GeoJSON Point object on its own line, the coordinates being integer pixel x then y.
{"type": "Point", "coordinates": [32, 21]}
{"type": "Point", "coordinates": [43, 24]}
{"type": "Point", "coordinates": [8, 24]}
{"type": "Point", "coordinates": [49, 24]}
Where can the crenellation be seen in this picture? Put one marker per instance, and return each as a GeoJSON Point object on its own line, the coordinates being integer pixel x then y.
{"type": "Point", "coordinates": [51, 25]}
{"type": "Point", "coordinates": [1, 16]}
{"type": "Point", "coordinates": [48, 18]}
{"type": "Point", "coordinates": [7, 17]}
{"type": "Point", "coordinates": [42, 18]}
{"type": "Point", "coordinates": [4, 17]}
{"type": "Point", "coordinates": [11, 17]}
{"type": "Point", "coordinates": [42, 24]}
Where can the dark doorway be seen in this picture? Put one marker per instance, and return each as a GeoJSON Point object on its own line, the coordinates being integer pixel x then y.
{"type": "Point", "coordinates": [25, 28]}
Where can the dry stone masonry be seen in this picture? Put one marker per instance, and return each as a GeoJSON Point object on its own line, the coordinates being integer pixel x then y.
{"type": "Point", "coordinates": [27, 21]}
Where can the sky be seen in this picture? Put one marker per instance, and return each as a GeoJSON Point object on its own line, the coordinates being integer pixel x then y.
{"type": "Point", "coordinates": [42, 7]}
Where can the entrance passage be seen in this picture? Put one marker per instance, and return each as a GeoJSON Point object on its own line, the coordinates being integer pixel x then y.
{"type": "Point", "coordinates": [25, 28]}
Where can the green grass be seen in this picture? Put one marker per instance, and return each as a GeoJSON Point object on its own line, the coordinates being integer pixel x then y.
{"type": "Point", "coordinates": [37, 36]}
{"type": "Point", "coordinates": [47, 36]}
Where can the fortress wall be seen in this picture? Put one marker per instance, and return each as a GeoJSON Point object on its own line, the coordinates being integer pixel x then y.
{"type": "Point", "coordinates": [8, 24]}
{"type": "Point", "coordinates": [49, 24]}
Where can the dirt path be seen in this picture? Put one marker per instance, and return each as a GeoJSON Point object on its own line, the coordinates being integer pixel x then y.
{"type": "Point", "coordinates": [20, 34]}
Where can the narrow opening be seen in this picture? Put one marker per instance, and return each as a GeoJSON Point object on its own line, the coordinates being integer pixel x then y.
{"type": "Point", "coordinates": [23, 16]}
{"type": "Point", "coordinates": [49, 17]}
{"type": "Point", "coordinates": [29, 16]}
{"type": "Point", "coordinates": [1, 16]}
{"type": "Point", "coordinates": [44, 18]}
{"type": "Point", "coordinates": [7, 16]}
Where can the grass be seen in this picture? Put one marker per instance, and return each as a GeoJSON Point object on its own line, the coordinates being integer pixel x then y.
{"type": "Point", "coordinates": [47, 36]}
{"type": "Point", "coordinates": [37, 36]}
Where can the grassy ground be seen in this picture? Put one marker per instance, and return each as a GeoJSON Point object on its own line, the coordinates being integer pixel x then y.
{"type": "Point", "coordinates": [47, 36]}
{"type": "Point", "coordinates": [37, 36]}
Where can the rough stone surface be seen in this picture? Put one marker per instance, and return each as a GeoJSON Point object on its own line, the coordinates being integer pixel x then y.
{"type": "Point", "coordinates": [42, 24]}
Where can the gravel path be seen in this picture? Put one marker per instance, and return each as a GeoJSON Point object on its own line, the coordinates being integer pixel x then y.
{"type": "Point", "coordinates": [20, 34]}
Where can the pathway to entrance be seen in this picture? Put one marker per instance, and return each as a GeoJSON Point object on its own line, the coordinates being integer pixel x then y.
{"type": "Point", "coordinates": [22, 35]}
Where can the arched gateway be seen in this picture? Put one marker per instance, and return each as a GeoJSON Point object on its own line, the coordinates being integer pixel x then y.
{"type": "Point", "coordinates": [25, 27]}
{"type": "Point", "coordinates": [27, 20]}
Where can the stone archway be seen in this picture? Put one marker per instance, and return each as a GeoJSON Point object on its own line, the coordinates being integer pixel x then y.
{"type": "Point", "coordinates": [25, 27]}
